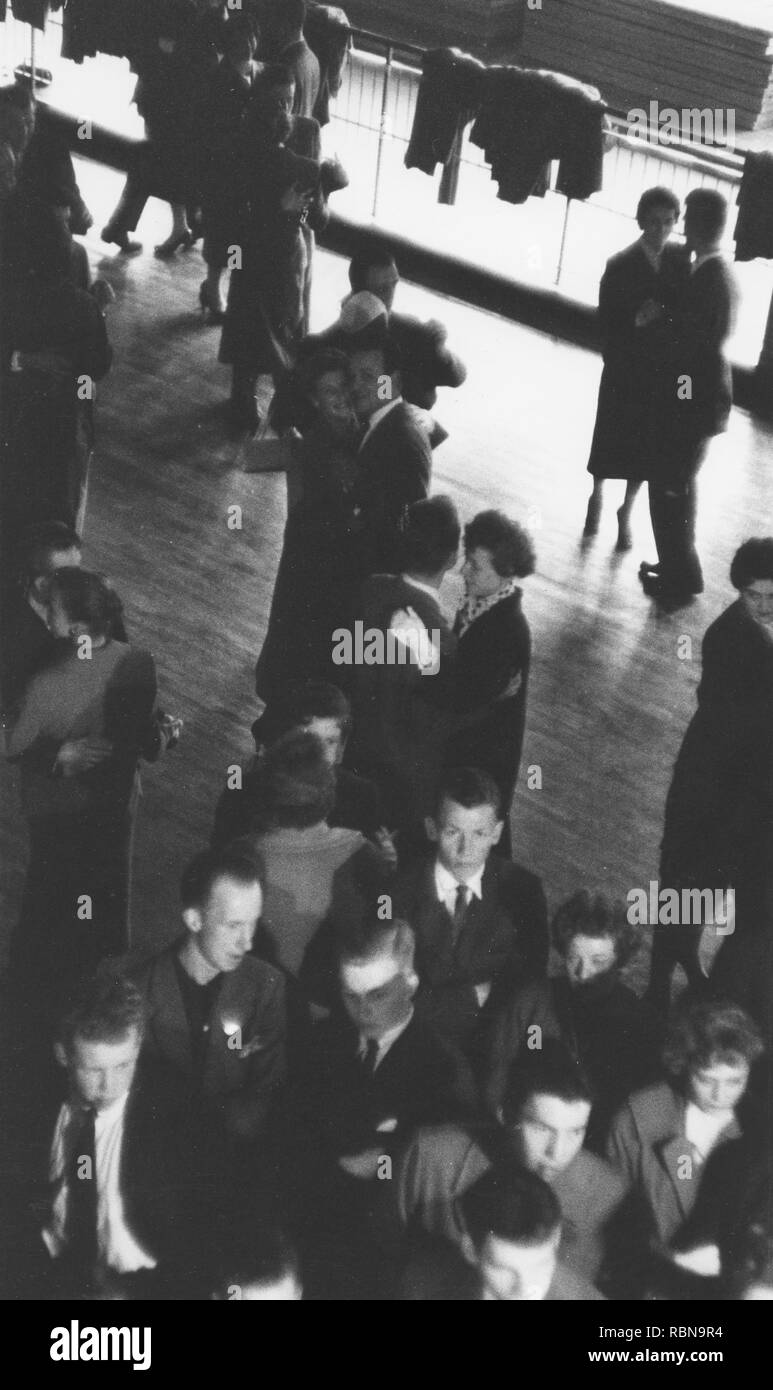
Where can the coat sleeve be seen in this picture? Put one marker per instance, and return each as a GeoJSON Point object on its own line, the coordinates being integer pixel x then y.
{"type": "Point", "coordinates": [248, 1111]}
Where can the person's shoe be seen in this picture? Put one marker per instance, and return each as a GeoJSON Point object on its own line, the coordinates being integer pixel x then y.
{"type": "Point", "coordinates": [624, 537]}
{"type": "Point", "coordinates": [592, 517]}
{"type": "Point", "coordinates": [213, 313]}
{"type": "Point", "coordinates": [122, 240]}
{"type": "Point", "coordinates": [649, 568]}
{"type": "Point", "coordinates": [166, 249]}
{"type": "Point", "coordinates": [669, 598]}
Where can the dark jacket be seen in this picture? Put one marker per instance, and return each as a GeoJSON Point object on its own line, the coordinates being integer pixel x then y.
{"type": "Point", "coordinates": [304, 66]}
{"type": "Point", "coordinates": [494, 650]}
{"type": "Point", "coordinates": [357, 807]}
{"type": "Point", "coordinates": [503, 941]}
{"type": "Point", "coordinates": [703, 321]}
{"type": "Point", "coordinates": [395, 470]}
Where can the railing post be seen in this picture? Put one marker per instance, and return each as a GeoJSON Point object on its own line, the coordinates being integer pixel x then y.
{"type": "Point", "coordinates": [449, 181]}
{"type": "Point", "coordinates": [382, 124]}
{"type": "Point", "coordinates": [560, 265]}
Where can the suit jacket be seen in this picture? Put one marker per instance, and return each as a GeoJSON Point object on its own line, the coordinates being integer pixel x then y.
{"type": "Point", "coordinates": [647, 1143]}
{"type": "Point", "coordinates": [304, 66]}
{"type": "Point", "coordinates": [245, 1080]}
{"type": "Point", "coordinates": [703, 320]}
{"type": "Point", "coordinates": [401, 717]}
{"type": "Point", "coordinates": [395, 463]}
{"type": "Point", "coordinates": [489, 734]}
{"type": "Point", "coordinates": [503, 940]}
{"type": "Point", "coordinates": [422, 1080]}
{"type": "Point", "coordinates": [442, 1163]}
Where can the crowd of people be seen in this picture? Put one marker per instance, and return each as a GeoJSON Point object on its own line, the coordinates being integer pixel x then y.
{"type": "Point", "coordinates": [370, 1066]}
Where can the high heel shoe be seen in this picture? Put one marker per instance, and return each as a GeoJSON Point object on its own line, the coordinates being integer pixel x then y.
{"type": "Point", "coordinates": [211, 312]}
{"type": "Point", "coordinates": [166, 249]}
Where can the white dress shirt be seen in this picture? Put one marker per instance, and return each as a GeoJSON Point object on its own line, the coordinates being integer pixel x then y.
{"type": "Point", "coordinates": [385, 1042]}
{"type": "Point", "coordinates": [446, 886]}
{"type": "Point", "coordinates": [118, 1249]}
{"type": "Point", "coordinates": [703, 1131]}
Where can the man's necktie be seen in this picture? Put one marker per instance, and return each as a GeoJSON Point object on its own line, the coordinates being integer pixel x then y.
{"type": "Point", "coordinates": [80, 1227]}
{"type": "Point", "coordinates": [460, 910]}
{"type": "Point", "coordinates": [369, 1057]}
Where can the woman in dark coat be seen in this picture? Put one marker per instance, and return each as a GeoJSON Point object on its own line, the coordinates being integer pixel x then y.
{"type": "Point", "coordinates": [493, 653]}
{"type": "Point", "coordinates": [602, 1023]}
{"type": "Point", "coordinates": [719, 811]}
{"type": "Point", "coordinates": [636, 292]}
{"type": "Point", "coordinates": [315, 586]}
{"type": "Point", "coordinates": [264, 319]}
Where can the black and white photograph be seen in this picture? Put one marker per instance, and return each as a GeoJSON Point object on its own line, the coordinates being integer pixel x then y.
{"type": "Point", "coordinates": [386, 662]}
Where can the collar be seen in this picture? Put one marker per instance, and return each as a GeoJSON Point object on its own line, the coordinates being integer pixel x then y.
{"type": "Point", "coordinates": [103, 1119]}
{"type": "Point", "coordinates": [386, 1040]}
{"type": "Point", "coordinates": [473, 608]}
{"type": "Point", "coordinates": [701, 260]}
{"type": "Point", "coordinates": [378, 416]}
{"type": "Point", "coordinates": [417, 584]}
{"type": "Point", "coordinates": [654, 259]}
{"type": "Point", "coordinates": [447, 884]}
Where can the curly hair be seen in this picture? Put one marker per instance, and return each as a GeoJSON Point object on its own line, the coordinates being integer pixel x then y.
{"type": "Point", "coordinates": [586, 914]}
{"type": "Point", "coordinates": [509, 545]}
{"type": "Point", "coordinates": [708, 1032]}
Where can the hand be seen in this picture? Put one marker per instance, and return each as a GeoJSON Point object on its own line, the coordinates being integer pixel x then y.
{"type": "Point", "coordinates": [295, 200]}
{"type": "Point", "coordinates": [382, 839]}
{"type": "Point", "coordinates": [512, 687]}
{"type": "Point", "coordinates": [363, 1165]}
{"type": "Point", "coordinates": [169, 730]}
{"type": "Point", "coordinates": [482, 992]}
{"type": "Point", "coordinates": [103, 293]}
{"type": "Point", "coordinates": [438, 330]}
{"type": "Point", "coordinates": [80, 755]}
{"type": "Point", "coordinates": [649, 312]}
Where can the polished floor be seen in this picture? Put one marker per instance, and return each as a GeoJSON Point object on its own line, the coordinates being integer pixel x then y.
{"type": "Point", "coordinates": [611, 691]}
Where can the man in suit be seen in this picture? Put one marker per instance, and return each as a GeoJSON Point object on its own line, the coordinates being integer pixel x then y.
{"type": "Point", "coordinates": [542, 1127]}
{"type": "Point", "coordinates": [119, 1199]}
{"type": "Point", "coordinates": [514, 1223]}
{"type": "Point", "coordinates": [402, 709]}
{"type": "Point", "coordinates": [480, 922]}
{"type": "Point", "coordinates": [395, 457]}
{"type": "Point", "coordinates": [698, 393]}
{"type": "Point", "coordinates": [216, 1014]}
{"type": "Point", "coordinates": [285, 21]}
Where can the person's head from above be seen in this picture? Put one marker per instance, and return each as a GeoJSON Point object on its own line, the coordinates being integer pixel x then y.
{"type": "Point", "coordinates": [377, 977]}
{"type": "Point", "coordinates": [657, 214]}
{"type": "Point", "coordinates": [467, 821]}
{"type": "Point", "coordinates": [375, 376]}
{"type": "Point", "coordinates": [746, 1262]}
{"type": "Point", "coordinates": [373, 268]}
{"type": "Point", "coordinates": [222, 899]}
{"type": "Point", "coordinates": [705, 219]}
{"type": "Point", "coordinates": [257, 1265]}
{"type": "Point", "coordinates": [513, 1224]}
{"type": "Point", "coordinates": [325, 382]}
{"type": "Point", "coordinates": [99, 1037]}
{"type": "Point", "coordinates": [751, 573]}
{"type": "Point", "coordinates": [709, 1052]}
{"type": "Point", "coordinates": [313, 707]}
{"type": "Point", "coordinates": [297, 783]}
{"type": "Point", "coordinates": [595, 939]}
{"type": "Point", "coordinates": [240, 41]}
{"type": "Point", "coordinates": [82, 604]}
{"type": "Point", "coordinates": [430, 541]}
{"type": "Point", "coordinates": [46, 548]}
{"type": "Point", "coordinates": [496, 550]}
{"type": "Point", "coordinates": [285, 20]}
{"type": "Point", "coordinates": [546, 1109]}
{"type": "Point", "coordinates": [269, 112]}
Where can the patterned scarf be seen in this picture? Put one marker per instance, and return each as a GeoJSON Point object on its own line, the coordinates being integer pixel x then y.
{"type": "Point", "coordinates": [473, 608]}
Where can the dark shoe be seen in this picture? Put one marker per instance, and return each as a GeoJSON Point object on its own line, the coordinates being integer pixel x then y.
{"type": "Point", "coordinates": [649, 568]}
{"type": "Point", "coordinates": [624, 537]}
{"type": "Point", "coordinates": [122, 240]}
{"type": "Point", "coordinates": [668, 597]}
{"type": "Point", "coordinates": [166, 249]}
{"type": "Point", "coordinates": [210, 312]}
{"type": "Point", "coordinates": [592, 517]}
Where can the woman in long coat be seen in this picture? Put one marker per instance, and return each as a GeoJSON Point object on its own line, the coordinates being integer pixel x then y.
{"type": "Point", "coordinates": [637, 289]}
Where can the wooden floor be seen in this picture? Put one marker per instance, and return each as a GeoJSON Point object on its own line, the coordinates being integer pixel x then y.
{"type": "Point", "coordinates": [610, 697]}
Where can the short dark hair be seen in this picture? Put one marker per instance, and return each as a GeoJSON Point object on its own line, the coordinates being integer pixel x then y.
{"type": "Point", "coordinates": [706, 1032]}
{"type": "Point", "coordinates": [658, 197]}
{"type": "Point", "coordinates": [372, 940]}
{"type": "Point", "coordinates": [432, 533]}
{"type": "Point", "coordinates": [373, 254]}
{"type": "Point", "coordinates": [468, 787]}
{"type": "Point", "coordinates": [104, 1008]}
{"type": "Point", "coordinates": [586, 914]}
{"type": "Point", "coordinates": [510, 546]}
{"type": "Point", "coordinates": [296, 785]}
{"type": "Point", "coordinates": [319, 364]}
{"type": "Point", "coordinates": [384, 345]}
{"type": "Point", "coordinates": [291, 14]}
{"type": "Point", "coordinates": [549, 1071]}
{"type": "Point", "coordinates": [709, 208]}
{"type": "Point", "coordinates": [241, 31]}
{"type": "Point", "coordinates": [259, 1254]}
{"type": "Point", "coordinates": [43, 540]}
{"type": "Point", "coordinates": [510, 1204]}
{"type": "Point", "coordinates": [297, 705]}
{"type": "Point", "coordinates": [87, 598]}
{"type": "Point", "coordinates": [752, 560]}
{"type": "Point", "coordinates": [210, 865]}
{"type": "Point", "coordinates": [747, 1259]}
